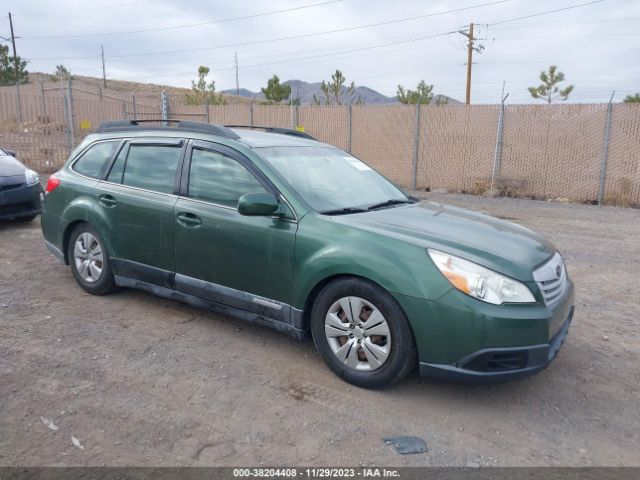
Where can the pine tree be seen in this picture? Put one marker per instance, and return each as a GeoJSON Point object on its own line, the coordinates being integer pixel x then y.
{"type": "Point", "coordinates": [549, 90]}
{"type": "Point", "coordinates": [422, 94]}
{"type": "Point", "coordinates": [334, 91]}
{"type": "Point", "coordinates": [635, 98]}
{"type": "Point", "coordinates": [62, 73]}
{"type": "Point", "coordinates": [275, 92]}
{"type": "Point", "coordinates": [8, 68]}
{"type": "Point", "coordinates": [203, 92]}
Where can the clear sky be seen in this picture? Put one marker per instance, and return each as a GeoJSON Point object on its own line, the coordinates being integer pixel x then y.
{"type": "Point", "coordinates": [597, 45]}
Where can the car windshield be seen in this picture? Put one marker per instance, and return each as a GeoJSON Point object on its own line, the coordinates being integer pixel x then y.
{"type": "Point", "coordinates": [332, 181]}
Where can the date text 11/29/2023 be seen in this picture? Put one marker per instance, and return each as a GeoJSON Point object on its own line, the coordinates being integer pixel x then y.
{"type": "Point", "coordinates": [314, 473]}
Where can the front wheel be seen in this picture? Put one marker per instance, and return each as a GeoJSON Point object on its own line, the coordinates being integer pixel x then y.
{"type": "Point", "coordinates": [362, 333]}
{"type": "Point", "coordinates": [89, 261]}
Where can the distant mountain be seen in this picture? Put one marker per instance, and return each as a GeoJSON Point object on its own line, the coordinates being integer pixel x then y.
{"type": "Point", "coordinates": [305, 91]}
{"type": "Point", "coordinates": [243, 92]}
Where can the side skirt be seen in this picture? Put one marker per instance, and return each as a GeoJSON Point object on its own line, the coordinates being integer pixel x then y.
{"type": "Point", "coordinates": [217, 307]}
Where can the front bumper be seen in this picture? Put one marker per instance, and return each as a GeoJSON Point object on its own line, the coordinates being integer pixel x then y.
{"type": "Point", "coordinates": [20, 200]}
{"type": "Point", "coordinates": [501, 364]}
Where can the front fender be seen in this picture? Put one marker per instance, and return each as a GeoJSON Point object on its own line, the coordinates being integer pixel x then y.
{"type": "Point", "coordinates": [325, 249]}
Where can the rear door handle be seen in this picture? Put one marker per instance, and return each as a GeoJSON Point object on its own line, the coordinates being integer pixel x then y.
{"type": "Point", "coordinates": [107, 201]}
{"type": "Point", "coordinates": [189, 220]}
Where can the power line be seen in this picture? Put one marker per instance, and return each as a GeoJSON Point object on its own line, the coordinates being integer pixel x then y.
{"type": "Point", "coordinates": [176, 27]}
{"type": "Point", "coordinates": [545, 13]}
{"type": "Point", "coordinates": [553, 24]}
{"type": "Point", "coordinates": [323, 55]}
{"type": "Point", "coordinates": [593, 35]}
{"type": "Point", "coordinates": [88, 9]}
{"type": "Point", "coordinates": [279, 39]}
{"type": "Point", "coordinates": [328, 32]}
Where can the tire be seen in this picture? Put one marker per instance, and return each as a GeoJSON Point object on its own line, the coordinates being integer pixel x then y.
{"type": "Point", "coordinates": [89, 262]}
{"type": "Point", "coordinates": [377, 356]}
{"type": "Point", "coordinates": [28, 219]}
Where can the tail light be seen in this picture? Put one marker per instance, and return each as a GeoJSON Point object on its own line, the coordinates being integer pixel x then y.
{"type": "Point", "coordinates": [52, 183]}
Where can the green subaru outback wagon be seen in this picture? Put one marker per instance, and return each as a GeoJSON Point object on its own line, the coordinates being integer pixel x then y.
{"type": "Point", "coordinates": [276, 228]}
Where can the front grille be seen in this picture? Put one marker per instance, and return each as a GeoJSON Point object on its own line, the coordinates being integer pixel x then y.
{"type": "Point", "coordinates": [552, 279]}
{"type": "Point", "coordinates": [10, 187]}
{"type": "Point", "coordinates": [16, 208]}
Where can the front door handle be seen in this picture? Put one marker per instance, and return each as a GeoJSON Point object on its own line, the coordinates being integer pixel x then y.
{"type": "Point", "coordinates": [107, 201]}
{"type": "Point", "coordinates": [189, 220]}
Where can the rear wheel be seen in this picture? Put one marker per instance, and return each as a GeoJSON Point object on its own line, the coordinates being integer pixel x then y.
{"type": "Point", "coordinates": [362, 333]}
{"type": "Point", "coordinates": [89, 261]}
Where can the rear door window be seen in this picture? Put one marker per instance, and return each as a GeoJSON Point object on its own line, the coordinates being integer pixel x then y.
{"type": "Point", "coordinates": [93, 161]}
{"type": "Point", "coordinates": [151, 167]}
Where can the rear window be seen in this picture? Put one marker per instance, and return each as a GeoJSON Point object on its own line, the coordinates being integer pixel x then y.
{"type": "Point", "coordinates": [93, 162]}
{"type": "Point", "coordinates": [152, 167]}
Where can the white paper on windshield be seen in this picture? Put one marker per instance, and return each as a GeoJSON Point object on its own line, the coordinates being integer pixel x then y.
{"type": "Point", "coordinates": [357, 163]}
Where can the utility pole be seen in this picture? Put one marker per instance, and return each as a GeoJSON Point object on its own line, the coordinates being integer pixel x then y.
{"type": "Point", "coordinates": [470, 49]}
{"type": "Point", "coordinates": [17, 67]}
{"type": "Point", "coordinates": [237, 83]}
{"type": "Point", "coordinates": [104, 72]}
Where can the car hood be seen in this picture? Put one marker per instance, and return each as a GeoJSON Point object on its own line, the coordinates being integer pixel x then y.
{"type": "Point", "coordinates": [502, 246]}
{"type": "Point", "coordinates": [10, 167]}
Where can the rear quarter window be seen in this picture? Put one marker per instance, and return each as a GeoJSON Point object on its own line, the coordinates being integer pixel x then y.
{"type": "Point", "coordinates": [93, 161]}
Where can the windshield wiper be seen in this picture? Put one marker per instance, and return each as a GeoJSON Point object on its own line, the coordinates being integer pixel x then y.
{"type": "Point", "coordinates": [344, 211]}
{"type": "Point", "coordinates": [388, 203]}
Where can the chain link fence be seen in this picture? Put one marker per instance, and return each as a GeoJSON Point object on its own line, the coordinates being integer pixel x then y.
{"type": "Point", "coordinates": [587, 153]}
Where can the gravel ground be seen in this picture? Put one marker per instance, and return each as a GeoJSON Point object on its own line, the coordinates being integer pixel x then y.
{"type": "Point", "coordinates": [142, 381]}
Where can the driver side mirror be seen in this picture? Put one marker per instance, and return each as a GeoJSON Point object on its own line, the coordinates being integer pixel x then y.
{"type": "Point", "coordinates": [258, 204]}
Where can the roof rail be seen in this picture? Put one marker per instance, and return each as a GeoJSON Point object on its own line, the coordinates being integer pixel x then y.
{"type": "Point", "coordinates": [283, 131]}
{"type": "Point", "coordinates": [124, 125]}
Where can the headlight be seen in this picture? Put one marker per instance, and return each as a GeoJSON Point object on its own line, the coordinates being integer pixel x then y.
{"type": "Point", "coordinates": [480, 282]}
{"type": "Point", "coordinates": [32, 177]}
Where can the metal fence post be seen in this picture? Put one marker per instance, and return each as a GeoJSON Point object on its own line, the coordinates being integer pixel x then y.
{"type": "Point", "coordinates": [251, 113]}
{"type": "Point", "coordinates": [206, 112]}
{"type": "Point", "coordinates": [44, 102]}
{"type": "Point", "coordinates": [416, 149]}
{"type": "Point", "coordinates": [164, 107]}
{"type": "Point", "coordinates": [605, 151]}
{"type": "Point", "coordinates": [296, 120]}
{"type": "Point", "coordinates": [18, 104]}
{"type": "Point", "coordinates": [350, 128]}
{"type": "Point", "coordinates": [70, 110]}
{"type": "Point", "coordinates": [133, 106]}
{"type": "Point", "coordinates": [67, 122]}
{"type": "Point", "coordinates": [497, 158]}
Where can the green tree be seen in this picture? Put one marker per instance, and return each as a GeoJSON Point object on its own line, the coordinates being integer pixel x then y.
{"type": "Point", "coordinates": [8, 68]}
{"type": "Point", "coordinates": [203, 92]}
{"type": "Point", "coordinates": [275, 92]}
{"type": "Point", "coordinates": [335, 91]}
{"type": "Point", "coordinates": [61, 73]}
{"type": "Point", "coordinates": [422, 94]}
{"type": "Point", "coordinates": [635, 98]}
{"type": "Point", "coordinates": [549, 90]}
